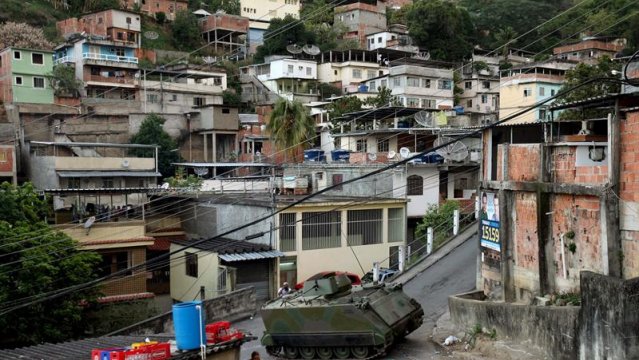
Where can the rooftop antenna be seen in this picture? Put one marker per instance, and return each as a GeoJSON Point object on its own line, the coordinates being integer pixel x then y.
{"type": "Point", "coordinates": [454, 151]}
{"type": "Point", "coordinates": [294, 49]}
{"type": "Point", "coordinates": [311, 50]}
{"type": "Point", "coordinates": [425, 119]}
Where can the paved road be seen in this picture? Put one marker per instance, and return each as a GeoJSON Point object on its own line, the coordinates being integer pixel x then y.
{"type": "Point", "coordinates": [453, 274]}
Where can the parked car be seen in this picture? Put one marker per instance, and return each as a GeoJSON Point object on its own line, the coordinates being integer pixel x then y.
{"type": "Point", "coordinates": [355, 279]}
{"type": "Point", "coordinates": [384, 275]}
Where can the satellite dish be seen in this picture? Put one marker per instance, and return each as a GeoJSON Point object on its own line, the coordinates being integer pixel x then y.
{"type": "Point", "coordinates": [89, 223]}
{"type": "Point", "coordinates": [311, 50]}
{"type": "Point", "coordinates": [424, 55]}
{"type": "Point", "coordinates": [404, 152]}
{"type": "Point", "coordinates": [201, 171]}
{"type": "Point", "coordinates": [208, 60]}
{"type": "Point", "coordinates": [294, 49]}
{"type": "Point", "coordinates": [372, 156]}
{"type": "Point", "coordinates": [125, 163]}
{"type": "Point", "coordinates": [425, 119]}
{"type": "Point", "coordinates": [151, 35]}
{"type": "Point", "coordinates": [165, 186]}
{"type": "Point", "coordinates": [454, 151]}
{"type": "Point", "coordinates": [391, 155]}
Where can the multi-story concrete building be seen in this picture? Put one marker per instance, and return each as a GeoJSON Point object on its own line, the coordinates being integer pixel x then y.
{"type": "Point", "coordinates": [523, 85]}
{"type": "Point", "coordinates": [225, 33]}
{"type": "Point", "coordinates": [590, 49]}
{"type": "Point", "coordinates": [23, 76]}
{"type": "Point", "coordinates": [151, 7]}
{"type": "Point", "coordinates": [102, 47]}
{"type": "Point", "coordinates": [361, 19]}
{"type": "Point", "coordinates": [396, 38]}
{"type": "Point", "coordinates": [260, 13]}
{"type": "Point", "coordinates": [287, 77]}
{"type": "Point", "coordinates": [480, 82]}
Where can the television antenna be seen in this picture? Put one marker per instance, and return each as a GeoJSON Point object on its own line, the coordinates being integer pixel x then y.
{"type": "Point", "coordinates": [404, 153]}
{"type": "Point", "coordinates": [455, 151]}
{"type": "Point", "coordinates": [425, 119]}
{"type": "Point", "coordinates": [151, 35]}
{"type": "Point", "coordinates": [294, 49]}
{"type": "Point", "coordinates": [311, 50]}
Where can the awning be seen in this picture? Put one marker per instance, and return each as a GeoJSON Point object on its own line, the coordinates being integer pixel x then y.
{"type": "Point", "coordinates": [84, 174]}
{"type": "Point", "coordinates": [257, 255]}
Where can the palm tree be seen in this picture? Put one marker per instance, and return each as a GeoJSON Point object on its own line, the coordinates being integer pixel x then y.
{"type": "Point", "coordinates": [506, 37]}
{"type": "Point", "coordinates": [291, 126]}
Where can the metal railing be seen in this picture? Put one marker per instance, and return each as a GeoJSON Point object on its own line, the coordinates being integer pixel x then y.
{"type": "Point", "coordinates": [105, 57]}
{"type": "Point", "coordinates": [64, 60]}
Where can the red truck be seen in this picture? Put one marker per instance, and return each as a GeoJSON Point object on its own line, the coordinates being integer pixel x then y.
{"type": "Point", "coordinates": [221, 333]}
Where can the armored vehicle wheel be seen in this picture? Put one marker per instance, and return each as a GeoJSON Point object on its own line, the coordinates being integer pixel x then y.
{"type": "Point", "coordinates": [360, 352]}
{"type": "Point", "coordinates": [290, 352]}
{"type": "Point", "coordinates": [341, 352]}
{"type": "Point", "coordinates": [324, 353]}
{"type": "Point", "coordinates": [307, 352]}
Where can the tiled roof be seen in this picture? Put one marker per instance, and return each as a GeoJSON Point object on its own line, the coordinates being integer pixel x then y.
{"type": "Point", "coordinates": [225, 246]}
{"type": "Point", "coordinates": [117, 241]}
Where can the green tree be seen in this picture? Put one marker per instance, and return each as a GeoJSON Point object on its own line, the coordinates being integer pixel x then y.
{"type": "Point", "coordinates": [186, 31]}
{"type": "Point", "coordinates": [152, 133]}
{"type": "Point", "coordinates": [281, 33]}
{"type": "Point", "coordinates": [443, 28]}
{"type": "Point", "coordinates": [383, 98]}
{"type": "Point", "coordinates": [63, 81]}
{"type": "Point", "coordinates": [583, 72]}
{"type": "Point", "coordinates": [228, 6]}
{"type": "Point", "coordinates": [342, 106]}
{"type": "Point", "coordinates": [440, 218]}
{"type": "Point", "coordinates": [23, 36]}
{"type": "Point", "coordinates": [41, 260]}
{"type": "Point", "coordinates": [291, 126]}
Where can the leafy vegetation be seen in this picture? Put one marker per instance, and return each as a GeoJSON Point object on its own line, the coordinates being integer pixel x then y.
{"type": "Point", "coordinates": [281, 33]}
{"type": "Point", "coordinates": [440, 218]}
{"type": "Point", "coordinates": [63, 81]}
{"type": "Point", "coordinates": [344, 105]}
{"type": "Point", "coordinates": [23, 35]}
{"type": "Point", "coordinates": [383, 98]}
{"type": "Point", "coordinates": [182, 180]}
{"type": "Point", "coordinates": [152, 133]}
{"type": "Point", "coordinates": [186, 31]}
{"type": "Point", "coordinates": [228, 6]}
{"type": "Point", "coordinates": [291, 126]}
{"type": "Point", "coordinates": [35, 265]}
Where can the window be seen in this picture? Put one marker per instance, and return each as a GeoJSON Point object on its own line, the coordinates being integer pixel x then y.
{"type": "Point", "coordinates": [415, 184]}
{"type": "Point", "coordinates": [287, 232]}
{"type": "Point", "coordinates": [38, 82]}
{"type": "Point", "coordinates": [364, 227]}
{"type": "Point", "coordinates": [527, 92]}
{"type": "Point", "coordinates": [484, 99]}
{"type": "Point", "coordinates": [412, 102]}
{"type": "Point", "coordinates": [360, 145]}
{"type": "Point", "coordinates": [321, 230]}
{"type": "Point", "coordinates": [384, 83]}
{"type": "Point", "coordinates": [379, 39]}
{"type": "Point", "coordinates": [542, 91]}
{"type": "Point", "coordinates": [152, 98]}
{"type": "Point", "coordinates": [107, 183]}
{"type": "Point", "coordinates": [191, 264]}
{"type": "Point", "coordinates": [226, 111]}
{"type": "Point", "coordinates": [173, 97]}
{"type": "Point", "coordinates": [444, 84]}
{"type": "Point", "coordinates": [309, 71]}
{"type": "Point", "coordinates": [552, 92]}
{"type": "Point", "coordinates": [338, 179]}
{"type": "Point", "coordinates": [18, 80]}
{"type": "Point", "coordinates": [120, 36]}
{"type": "Point", "coordinates": [426, 83]}
{"type": "Point", "coordinates": [199, 101]}
{"type": "Point", "coordinates": [114, 262]}
{"type": "Point", "coordinates": [73, 183]}
{"type": "Point", "coordinates": [468, 85]}
{"type": "Point", "coordinates": [17, 55]}
{"type": "Point", "coordinates": [335, 72]}
{"type": "Point", "coordinates": [396, 225]}
{"type": "Point", "coordinates": [217, 81]}
{"type": "Point", "coordinates": [412, 81]}
{"type": "Point", "coordinates": [100, 20]}
{"type": "Point", "coordinates": [397, 81]}
{"type": "Point", "coordinates": [469, 103]}
{"type": "Point", "coordinates": [383, 145]}
{"type": "Point", "coordinates": [485, 84]}
{"type": "Point", "coordinates": [370, 74]}
{"type": "Point", "coordinates": [119, 52]}
{"type": "Point", "coordinates": [542, 114]}
{"type": "Point", "coordinates": [290, 68]}
{"type": "Point", "coordinates": [357, 73]}
{"type": "Point", "coordinates": [428, 103]}
{"type": "Point", "coordinates": [37, 59]}
{"type": "Point", "coordinates": [130, 36]}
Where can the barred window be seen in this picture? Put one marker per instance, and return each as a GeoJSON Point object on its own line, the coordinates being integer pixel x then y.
{"type": "Point", "coordinates": [364, 227]}
{"type": "Point", "coordinates": [191, 264]}
{"type": "Point", "coordinates": [412, 81]}
{"type": "Point", "coordinates": [415, 185]}
{"type": "Point", "coordinates": [287, 232]}
{"type": "Point", "coordinates": [396, 225]}
{"type": "Point", "coordinates": [321, 230]}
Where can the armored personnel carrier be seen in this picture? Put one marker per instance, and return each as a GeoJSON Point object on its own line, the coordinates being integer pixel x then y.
{"type": "Point", "coordinates": [326, 320]}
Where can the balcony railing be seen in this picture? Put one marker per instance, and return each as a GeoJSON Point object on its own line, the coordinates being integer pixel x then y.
{"type": "Point", "coordinates": [105, 57]}
{"type": "Point", "coordinates": [111, 79]}
{"type": "Point", "coordinates": [64, 60]}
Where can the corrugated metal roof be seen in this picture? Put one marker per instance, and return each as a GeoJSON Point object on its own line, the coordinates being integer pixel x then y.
{"type": "Point", "coordinates": [76, 174]}
{"type": "Point", "coordinates": [251, 255]}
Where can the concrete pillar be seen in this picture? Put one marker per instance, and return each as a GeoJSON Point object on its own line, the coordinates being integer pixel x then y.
{"type": "Point", "coordinates": [401, 257]}
{"type": "Point", "coordinates": [455, 222]}
{"type": "Point", "coordinates": [429, 240]}
{"type": "Point", "coordinates": [375, 272]}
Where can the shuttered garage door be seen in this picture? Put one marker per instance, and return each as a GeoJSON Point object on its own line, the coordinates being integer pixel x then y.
{"type": "Point", "coordinates": [254, 273]}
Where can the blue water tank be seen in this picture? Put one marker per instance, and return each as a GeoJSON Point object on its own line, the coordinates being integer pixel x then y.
{"type": "Point", "coordinates": [363, 88]}
{"type": "Point", "coordinates": [340, 155]}
{"type": "Point", "coordinates": [188, 325]}
{"type": "Point", "coordinates": [432, 158]}
{"type": "Point", "coordinates": [314, 155]}
{"type": "Point", "coordinates": [459, 110]}
{"type": "Point", "coordinates": [403, 125]}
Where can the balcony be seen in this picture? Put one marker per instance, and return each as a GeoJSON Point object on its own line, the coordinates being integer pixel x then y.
{"type": "Point", "coordinates": [111, 79]}
{"type": "Point", "coordinates": [113, 60]}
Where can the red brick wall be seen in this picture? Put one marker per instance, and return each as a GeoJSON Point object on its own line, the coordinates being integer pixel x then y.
{"type": "Point", "coordinates": [526, 239]}
{"type": "Point", "coordinates": [133, 284]}
{"type": "Point", "coordinates": [629, 161]}
{"type": "Point", "coordinates": [630, 248]}
{"type": "Point", "coordinates": [229, 22]}
{"type": "Point", "coordinates": [582, 215]}
{"type": "Point", "coordinates": [485, 154]}
{"type": "Point", "coordinates": [523, 162]}
{"type": "Point", "coordinates": [6, 161]}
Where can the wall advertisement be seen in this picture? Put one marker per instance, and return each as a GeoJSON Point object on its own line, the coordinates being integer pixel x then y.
{"type": "Point", "coordinates": [489, 217]}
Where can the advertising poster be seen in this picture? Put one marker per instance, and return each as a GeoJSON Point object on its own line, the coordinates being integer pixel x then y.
{"type": "Point", "coordinates": [489, 217]}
